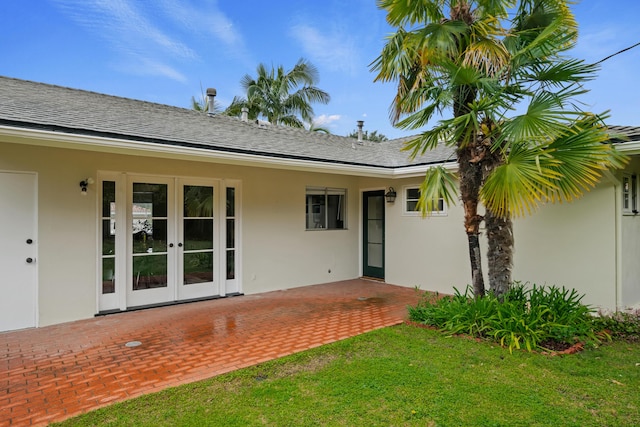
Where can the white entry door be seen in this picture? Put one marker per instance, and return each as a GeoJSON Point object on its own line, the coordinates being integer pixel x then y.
{"type": "Point", "coordinates": [18, 263]}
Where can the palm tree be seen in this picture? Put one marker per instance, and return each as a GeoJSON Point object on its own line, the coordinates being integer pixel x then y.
{"type": "Point", "coordinates": [479, 60]}
{"type": "Point", "coordinates": [373, 136]}
{"type": "Point", "coordinates": [202, 105]}
{"type": "Point", "coordinates": [269, 94]}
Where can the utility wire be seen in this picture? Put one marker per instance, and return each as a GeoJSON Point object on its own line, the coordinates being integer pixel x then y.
{"type": "Point", "coordinates": [617, 53]}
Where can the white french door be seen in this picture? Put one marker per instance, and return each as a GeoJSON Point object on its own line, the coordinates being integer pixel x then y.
{"type": "Point", "coordinates": [197, 237]}
{"type": "Point", "coordinates": [173, 240]}
{"type": "Point", "coordinates": [151, 242]}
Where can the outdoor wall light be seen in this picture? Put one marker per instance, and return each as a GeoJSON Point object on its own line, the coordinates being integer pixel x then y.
{"type": "Point", "coordinates": [84, 184]}
{"type": "Point", "coordinates": [390, 195]}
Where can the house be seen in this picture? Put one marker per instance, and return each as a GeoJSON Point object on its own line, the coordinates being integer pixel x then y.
{"type": "Point", "coordinates": [110, 204]}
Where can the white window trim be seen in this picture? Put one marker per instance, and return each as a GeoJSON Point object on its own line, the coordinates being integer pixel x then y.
{"type": "Point", "coordinates": [327, 191]}
{"type": "Point", "coordinates": [417, 213]}
{"type": "Point", "coordinates": [631, 193]}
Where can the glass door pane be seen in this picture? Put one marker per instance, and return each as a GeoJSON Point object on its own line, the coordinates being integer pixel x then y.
{"type": "Point", "coordinates": [149, 216]}
{"type": "Point", "coordinates": [108, 220]}
{"type": "Point", "coordinates": [198, 232]}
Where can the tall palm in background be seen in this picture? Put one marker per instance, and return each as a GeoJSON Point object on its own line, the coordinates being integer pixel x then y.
{"type": "Point", "coordinates": [281, 97]}
{"type": "Point", "coordinates": [520, 138]}
{"type": "Point", "coordinates": [202, 105]}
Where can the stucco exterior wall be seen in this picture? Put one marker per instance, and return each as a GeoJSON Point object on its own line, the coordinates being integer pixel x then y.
{"type": "Point", "coordinates": [572, 245]}
{"type": "Point", "coordinates": [430, 253]}
{"type": "Point", "coordinates": [630, 249]}
{"type": "Point", "coordinates": [630, 253]}
{"type": "Point", "coordinates": [277, 251]}
{"type": "Point", "coordinates": [569, 244]}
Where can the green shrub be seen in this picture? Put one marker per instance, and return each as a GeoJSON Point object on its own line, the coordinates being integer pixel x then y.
{"type": "Point", "coordinates": [547, 318]}
{"type": "Point", "coordinates": [620, 325]}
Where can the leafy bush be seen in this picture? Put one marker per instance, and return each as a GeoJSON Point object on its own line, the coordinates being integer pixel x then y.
{"type": "Point", "coordinates": [620, 325]}
{"type": "Point", "coordinates": [543, 318]}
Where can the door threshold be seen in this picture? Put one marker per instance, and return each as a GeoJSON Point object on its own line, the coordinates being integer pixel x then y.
{"type": "Point", "coordinates": [166, 304]}
{"type": "Point", "coordinates": [373, 279]}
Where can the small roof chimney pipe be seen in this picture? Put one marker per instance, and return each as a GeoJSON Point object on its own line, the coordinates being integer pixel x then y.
{"type": "Point", "coordinates": [360, 125]}
{"type": "Point", "coordinates": [245, 114]}
{"type": "Point", "coordinates": [211, 95]}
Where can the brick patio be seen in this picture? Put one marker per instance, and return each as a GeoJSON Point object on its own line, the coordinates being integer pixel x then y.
{"type": "Point", "coordinates": [52, 373]}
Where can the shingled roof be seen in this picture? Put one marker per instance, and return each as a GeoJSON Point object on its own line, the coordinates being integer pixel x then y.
{"type": "Point", "coordinates": [31, 105]}
{"type": "Point", "coordinates": [39, 106]}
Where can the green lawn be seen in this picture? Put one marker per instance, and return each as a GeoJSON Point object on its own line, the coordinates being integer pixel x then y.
{"type": "Point", "coordinates": [403, 376]}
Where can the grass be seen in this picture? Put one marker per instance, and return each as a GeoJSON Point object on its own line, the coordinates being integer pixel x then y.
{"type": "Point", "coordinates": [403, 376]}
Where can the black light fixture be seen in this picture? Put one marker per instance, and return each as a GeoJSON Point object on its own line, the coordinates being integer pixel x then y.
{"type": "Point", "coordinates": [390, 195]}
{"type": "Point", "coordinates": [84, 184]}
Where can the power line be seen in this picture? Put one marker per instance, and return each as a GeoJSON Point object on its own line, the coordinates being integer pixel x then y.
{"type": "Point", "coordinates": [617, 53]}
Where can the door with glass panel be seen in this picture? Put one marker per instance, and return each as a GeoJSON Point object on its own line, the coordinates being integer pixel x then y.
{"type": "Point", "coordinates": [373, 234]}
{"type": "Point", "coordinates": [166, 239]}
{"type": "Point", "coordinates": [151, 241]}
{"type": "Point", "coordinates": [196, 247]}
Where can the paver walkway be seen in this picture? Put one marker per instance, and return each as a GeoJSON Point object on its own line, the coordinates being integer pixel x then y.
{"type": "Point", "coordinates": [52, 373]}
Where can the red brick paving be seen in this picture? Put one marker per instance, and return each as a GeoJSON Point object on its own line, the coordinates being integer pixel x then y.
{"type": "Point", "coordinates": [53, 373]}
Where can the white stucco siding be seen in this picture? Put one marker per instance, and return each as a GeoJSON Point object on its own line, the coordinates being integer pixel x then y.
{"type": "Point", "coordinates": [630, 254]}
{"type": "Point", "coordinates": [430, 253]}
{"type": "Point", "coordinates": [277, 252]}
{"type": "Point", "coordinates": [67, 240]}
{"type": "Point", "coordinates": [571, 245]}
{"type": "Point", "coordinates": [630, 246]}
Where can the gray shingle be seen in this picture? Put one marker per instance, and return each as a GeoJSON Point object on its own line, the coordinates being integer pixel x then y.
{"type": "Point", "coordinates": [37, 105]}
{"type": "Point", "coordinates": [42, 106]}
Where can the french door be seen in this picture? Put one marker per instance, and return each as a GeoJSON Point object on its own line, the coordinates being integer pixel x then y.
{"type": "Point", "coordinates": [151, 245]}
{"type": "Point", "coordinates": [172, 240]}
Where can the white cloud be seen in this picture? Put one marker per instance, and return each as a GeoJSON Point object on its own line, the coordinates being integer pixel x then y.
{"type": "Point", "coordinates": [205, 22]}
{"type": "Point", "coordinates": [150, 67]}
{"type": "Point", "coordinates": [147, 36]}
{"type": "Point", "coordinates": [333, 51]}
{"type": "Point", "coordinates": [127, 28]}
{"type": "Point", "coordinates": [325, 120]}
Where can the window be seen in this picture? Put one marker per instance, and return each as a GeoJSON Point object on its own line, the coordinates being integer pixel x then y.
{"type": "Point", "coordinates": [629, 194]}
{"type": "Point", "coordinates": [325, 208]}
{"type": "Point", "coordinates": [108, 220]}
{"type": "Point", "coordinates": [411, 198]}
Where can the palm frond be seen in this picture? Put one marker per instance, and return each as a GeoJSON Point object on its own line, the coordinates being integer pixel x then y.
{"type": "Point", "coordinates": [428, 140]}
{"type": "Point", "coordinates": [582, 154]}
{"type": "Point", "coordinates": [439, 183]}
{"type": "Point", "coordinates": [545, 119]}
{"type": "Point", "coordinates": [520, 184]}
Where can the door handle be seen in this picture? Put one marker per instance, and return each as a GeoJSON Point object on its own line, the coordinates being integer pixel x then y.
{"type": "Point", "coordinates": [29, 241]}
{"type": "Point", "coordinates": [170, 245]}
{"type": "Point", "coordinates": [179, 245]}
{"type": "Point", "coordinates": [29, 260]}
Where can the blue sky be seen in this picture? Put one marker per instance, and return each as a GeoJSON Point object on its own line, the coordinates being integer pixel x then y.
{"type": "Point", "coordinates": [166, 50]}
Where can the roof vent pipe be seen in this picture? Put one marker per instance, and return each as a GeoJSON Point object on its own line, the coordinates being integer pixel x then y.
{"type": "Point", "coordinates": [245, 114]}
{"type": "Point", "coordinates": [211, 95]}
{"type": "Point", "coordinates": [360, 124]}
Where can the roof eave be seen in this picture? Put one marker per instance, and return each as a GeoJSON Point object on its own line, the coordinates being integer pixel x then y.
{"type": "Point", "coordinates": [631, 147]}
{"type": "Point", "coordinates": [47, 138]}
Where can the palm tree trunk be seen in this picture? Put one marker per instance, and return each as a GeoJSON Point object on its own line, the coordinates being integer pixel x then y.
{"type": "Point", "coordinates": [470, 168]}
{"type": "Point", "coordinates": [500, 252]}
{"type": "Point", "coordinates": [470, 182]}
{"type": "Point", "coordinates": [499, 229]}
